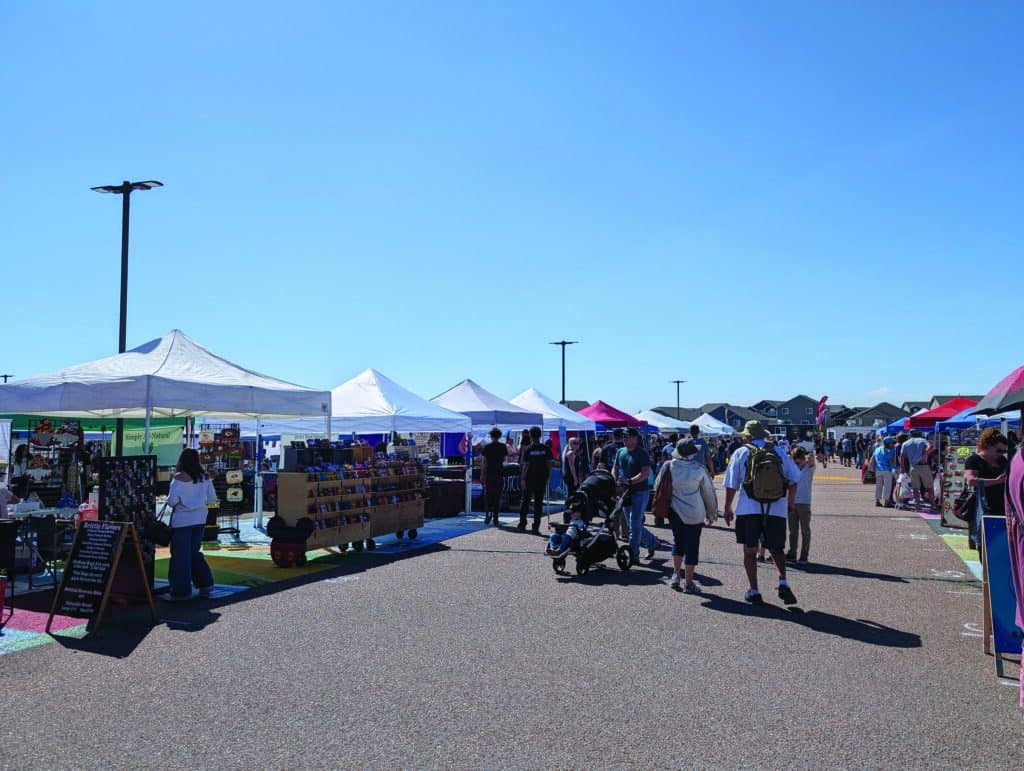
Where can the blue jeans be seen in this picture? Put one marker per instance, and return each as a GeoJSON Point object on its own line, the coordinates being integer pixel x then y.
{"type": "Point", "coordinates": [638, 534]}
{"type": "Point", "coordinates": [188, 566]}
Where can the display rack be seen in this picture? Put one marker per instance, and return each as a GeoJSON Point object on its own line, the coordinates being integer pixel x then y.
{"type": "Point", "coordinates": [54, 465]}
{"type": "Point", "coordinates": [354, 503]}
{"type": "Point", "coordinates": [221, 454]}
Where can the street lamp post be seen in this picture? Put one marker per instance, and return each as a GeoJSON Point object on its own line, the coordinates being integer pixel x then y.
{"type": "Point", "coordinates": [564, 343]}
{"type": "Point", "coordinates": [678, 383]}
{"type": "Point", "coordinates": [6, 377]}
{"type": "Point", "coordinates": [125, 190]}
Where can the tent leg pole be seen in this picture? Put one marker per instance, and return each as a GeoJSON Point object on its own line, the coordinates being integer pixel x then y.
{"type": "Point", "coordinates": [257, 481]}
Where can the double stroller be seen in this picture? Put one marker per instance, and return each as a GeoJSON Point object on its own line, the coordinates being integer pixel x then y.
{"type": "Point", "coordinates": [597, 498]}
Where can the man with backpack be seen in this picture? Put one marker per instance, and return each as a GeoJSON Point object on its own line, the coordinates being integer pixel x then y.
{"type": "Point", "coordinates": [765, 479]}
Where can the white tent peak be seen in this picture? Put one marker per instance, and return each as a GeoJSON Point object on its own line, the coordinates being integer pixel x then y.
{"type": "Point", "coordinates": [484, 408]}
{"type": "Point", "coordinates": [170, 376]}
{"type": "Point", "coordinates": [556, 415]}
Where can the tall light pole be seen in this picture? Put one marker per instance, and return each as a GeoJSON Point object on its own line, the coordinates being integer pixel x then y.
{"type": "Point", "coordinates": [125, 190]}
{"type": "Point", "coordinates": [678, 383]}
{"type": "Point", "coordinates": [564, 343]}
{"type": "Point", "coordinates": [6, 377]}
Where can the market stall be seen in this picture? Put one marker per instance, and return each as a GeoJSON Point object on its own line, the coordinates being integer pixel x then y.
{"type": "Point", "coordinates": [485, 410]}
{"type": "Point", "coordinates": [663, 423]}
{"type": "Point", "coordinates": [352, 500]}
{"type": "Point", "coordinates": [609, 417]}
{"type": "Point", "coordinates": [170, 377]}
{"type": "Point", "coordinates": [711, 426]}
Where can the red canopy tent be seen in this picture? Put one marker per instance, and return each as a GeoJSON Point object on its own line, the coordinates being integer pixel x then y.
{"type": "Point", "coordinates": [929, 418]}
{"type": "Point", "coordinates": [608, 416]}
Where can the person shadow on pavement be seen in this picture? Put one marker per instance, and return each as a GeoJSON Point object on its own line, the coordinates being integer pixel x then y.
{"type": "Point", "coordinates": [816, 568]}
{"type": "Point", "coordinates": [862, 630]}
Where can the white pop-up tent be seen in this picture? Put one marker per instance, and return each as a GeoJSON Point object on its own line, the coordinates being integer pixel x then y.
{"type": "Point", "coordinates": [171, 376]}
{"type": "Point", "coordinates": [556, 416]}
{"type": "Point", "coordinates": [663, 422]}
{"type": "Point", "coordinates": [485, 409]}
{"type": "Point", "coordinates": [713, 426]}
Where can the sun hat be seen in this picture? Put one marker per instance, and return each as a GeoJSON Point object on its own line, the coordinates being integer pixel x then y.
{"type": "Point", "coordinates": [754, 430]}
{"type": "Point", "coordinates": [685, 448]}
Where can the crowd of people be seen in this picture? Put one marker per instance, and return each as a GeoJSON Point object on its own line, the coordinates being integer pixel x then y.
{"type": "Point", "coordinates": [767, 494]}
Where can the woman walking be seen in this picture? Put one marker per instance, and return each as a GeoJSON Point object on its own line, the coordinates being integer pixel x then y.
{"type": "Point", "coordinates": [191, 491]}
{"type": "Point", "coordinates": [685, 494]}
{"type": "Point", "coordinates": [573, 467]}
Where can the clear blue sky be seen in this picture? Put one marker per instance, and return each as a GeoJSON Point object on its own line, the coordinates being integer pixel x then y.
{"type": "Point", "coordinates": [762, 199]}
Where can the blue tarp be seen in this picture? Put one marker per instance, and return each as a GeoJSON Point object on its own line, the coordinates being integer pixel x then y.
{"type": "Point", "coordinates": [965, 419]}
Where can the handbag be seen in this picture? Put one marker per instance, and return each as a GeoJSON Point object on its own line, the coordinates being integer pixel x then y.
{"type": "Point", "coordinates": [235, 495]}
{"type": "Point", "coordinates": [156, 530]}
{"type": "Point", "coordinates": [233, 477]}
{"type": "Point", "coordinates": [965, 504]}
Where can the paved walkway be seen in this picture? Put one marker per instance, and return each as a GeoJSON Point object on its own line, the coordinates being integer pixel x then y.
{"type": "Point", "coordinates": [472, 652]}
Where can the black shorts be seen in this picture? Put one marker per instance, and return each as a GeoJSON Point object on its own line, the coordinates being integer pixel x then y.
{"type": "Point", "coordinates": [751, 528]}
{"type": "Point", "coordinates": [686, 539]}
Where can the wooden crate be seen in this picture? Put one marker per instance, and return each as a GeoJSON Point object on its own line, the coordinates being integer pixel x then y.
{"type": "Point", "coordinates": [384, 519]}
{"type": "Point", "coordinates": [410, 515]}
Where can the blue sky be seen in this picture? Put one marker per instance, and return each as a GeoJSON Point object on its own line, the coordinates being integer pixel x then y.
{"type": "Point", "coordinates": [762, 199]}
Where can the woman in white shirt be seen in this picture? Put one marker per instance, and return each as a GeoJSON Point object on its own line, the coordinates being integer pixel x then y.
{"type": "Point", "coordinates": [191, 492]}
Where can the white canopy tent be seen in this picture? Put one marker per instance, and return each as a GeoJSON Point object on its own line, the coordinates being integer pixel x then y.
{"type": "Point", "coordinates": [171, 376]}
{"type": "Point", "coordinates": [485, 410]}
{"type": "Point", "coordinates": [556, 416]}
{"type": "Point", "coordinates": [712, 426]}
{"type": "Point", "coordinates": [663, 422]}
{"type": "Point", "coordinates": [371, 403]}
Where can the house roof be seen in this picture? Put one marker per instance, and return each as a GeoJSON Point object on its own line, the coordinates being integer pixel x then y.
{"type": "Point", "coordinates": [685, 413]}
{"type": "Point", "coordinates": [800, 396]}
{"type": "Point", "coordinates": [943, 399]}
{"type": "Point", "coordinates": [915, 406]}
{"type": "Point", "coordinates": [884, 408]}
{"type": "Point", "coordinates": [769, 402]}
{"type": "Point", "coordinates": [742, 412]}
{"type": "Point", "coordinates": [576, 405]}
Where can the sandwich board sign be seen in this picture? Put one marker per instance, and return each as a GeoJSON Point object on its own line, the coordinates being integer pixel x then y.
{"type": "Point", "coordinates": [100, 553]}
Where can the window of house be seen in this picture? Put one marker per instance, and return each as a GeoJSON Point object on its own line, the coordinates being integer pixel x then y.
{"type": "Point", "coordinates": [785, 410]}
{"type": "Point", "coordinates": [807, 410]}
{"type": "Point", "coordinates": [805, 422]}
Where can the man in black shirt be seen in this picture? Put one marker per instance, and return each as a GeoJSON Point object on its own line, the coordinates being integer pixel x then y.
{"type": "Point", "coordinates": [612, 449]}
{"type": "Point", "coordinates": [536, 462]}
{"type": "Point", "coordinates": [493, 475]}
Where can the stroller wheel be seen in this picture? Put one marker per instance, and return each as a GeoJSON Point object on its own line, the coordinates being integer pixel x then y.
{"type": "Point", "coordinates": [357, 545]}
{"type": "Point", "coordinates": [412, 533]}
{"type": "Point", "coordinates": [659, 522]}
{"type": "Point", "coordinates": [582, 567]}
{"type": "Point", "coordinates": [624, 557]}
{"type": "Point", "coordinates": [558, 565]}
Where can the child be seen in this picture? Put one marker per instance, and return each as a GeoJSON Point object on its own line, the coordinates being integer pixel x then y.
{"type": "Point", "coordinates": [559, 543]}
{"type": "Point", "coordinates": [800, 513]}
{"type": "Point", "coordinates": [904, 491]}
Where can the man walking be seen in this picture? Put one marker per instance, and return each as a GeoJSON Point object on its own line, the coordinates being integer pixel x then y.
{"type": "Point", "coordinates": [703, 454]}
{"type": "Point", "coordinates": [632, 467]}
{"type": "Point", "coordinates": [885, 465]}
{"type": "Point", "coordinates": [536, 461]}
{"type": "Point", "coordinates": [915, 462]}
{"type": "Point", "coordinates": [765, 479]}
{"type": "Point", "coordinates": [493, 475]}
{"type": "Point", "coordinates": [611, 450]}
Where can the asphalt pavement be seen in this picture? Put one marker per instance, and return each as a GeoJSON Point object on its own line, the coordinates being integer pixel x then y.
{"type": "Point", "coordinates": [474, 653]}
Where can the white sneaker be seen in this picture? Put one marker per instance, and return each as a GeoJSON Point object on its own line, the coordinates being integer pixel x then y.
{"type": "Point", "coordinates": [674, 583]}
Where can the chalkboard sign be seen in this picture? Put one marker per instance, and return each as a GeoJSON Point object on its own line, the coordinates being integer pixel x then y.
{"type": "Point", "coordinates": [97, 557]}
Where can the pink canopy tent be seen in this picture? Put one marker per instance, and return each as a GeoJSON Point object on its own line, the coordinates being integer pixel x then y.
{"type": "Point", "coordinates": [608, 416]}
{"type": "Point", "coordinates": [929, 418]}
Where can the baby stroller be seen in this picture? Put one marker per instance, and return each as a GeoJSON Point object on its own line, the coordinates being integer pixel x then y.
{"type": "Point", "coordinates": [596, 498]}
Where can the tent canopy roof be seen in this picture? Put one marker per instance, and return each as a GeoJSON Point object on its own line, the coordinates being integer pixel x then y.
{"type": "Point", "coordinates": [556, 415]}
{"type": "Point", "coordinates": [662, 422]}
{"type": "Point", "coordinates": [929, 418]}
{"type": "Point", "coordinates": [172, 376]}
{"type": "Point", "coordinates": [713, 426]}
{"type": "Point", "coordinates": [486, 409]}
{"type": "Point", "coordinates": [603, 413]}
{"type": "Point", "coordinates": [373, 403]}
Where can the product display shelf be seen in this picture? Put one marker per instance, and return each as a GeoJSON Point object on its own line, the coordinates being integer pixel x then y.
{"type": "Point", "coordinates": [353, 508]}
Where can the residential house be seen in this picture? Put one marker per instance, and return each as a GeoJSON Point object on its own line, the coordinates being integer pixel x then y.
{"type": "Point", "coordinates": [767, 407]}
{"type": "Point", "coordinates": [733, 415]}
{"type": "Point", "coordinates": [939, 400]}
{"type": "Point", "coordinates": [838, 413]}
{"type": "Point", "coordinates": [882, 414]}
{"type": "Point", "coordinates": [797, 416]}
{"type": "Point", "coordinates": [684, 413]}
{"type": "Point", "coordinates": [911, 407]}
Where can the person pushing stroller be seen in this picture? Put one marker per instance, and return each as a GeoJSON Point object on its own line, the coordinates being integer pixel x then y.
{"type": "Point", "coordinates": [632, 468]}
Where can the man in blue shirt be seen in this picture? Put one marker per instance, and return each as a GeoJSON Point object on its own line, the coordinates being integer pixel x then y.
{"type": "Point", "coordinates": [885, 464]}
{"type": "Point", "coordinates": [632, 467]}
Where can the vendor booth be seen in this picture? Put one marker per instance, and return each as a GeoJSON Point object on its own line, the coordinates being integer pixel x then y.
{"type": "Point", "coordinates": [609, 417]}
{"type": "Point", "coordinates": [353, 494]}
{"type": "Point", "coordinates": [169, 377]}
{"type": "Point", "coordinates": [485, 410]}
